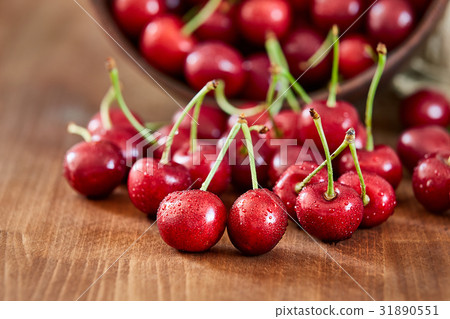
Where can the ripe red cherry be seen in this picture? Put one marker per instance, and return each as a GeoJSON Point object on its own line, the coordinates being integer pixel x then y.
{"type": "Point", "coordinates": [192, 221]}
{"type": "Point", "coordinates": [180, 140]}
{"type": "Point", "coordinates": [390, 22]}
{"type": "Point", "coordinates": [256, 18]}
{"type": "Point", "coordinates": [149, 182]}
{"type": "Point", "coordinates": [286, 124]}
{"type": "Point", "coordinates": [354, 57]}
{"type": "Point", "coordinates": [425, 107]}
{"type": "Point", "coordinates": [258, 77]}
{"type": "Point", "coordinates": [257, 222]}
{"type": "Point", "coordinates": [118, 120]}
{"type": "Point", "coordinates": [94, 169]}
{"type": "Point", "coordinates": [431, 182]}
{"type": "Point", "coordinates": [382, 197]}
{"type": "Point", "coordinates": [133, 15]}
{"type": "Point", "coordinates": [415, 143]}
{"type": "Point", "coordinates": [215, 60]}
{"type": "Point", "coordinates": [361, 136]}
{"type": "Point", "coordinates": [298, 47]}
{"type": "Point", "coordinates": [342, 13]}
{"type": "Point", "coordinates": [219, 26]}
{"type": "Point", "coordinates": [329, 220]}
{"type": "Point", "coordinates": [165, 46]}
{"type": "Point", "coordinates": [285, 186]}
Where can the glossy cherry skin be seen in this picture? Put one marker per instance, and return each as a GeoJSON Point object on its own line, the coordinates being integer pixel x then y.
{"type": "Point", "coordinates": [258, 77]}
{"type": "Point", "coordinates": [382, 161]}
{"type": "Point", "coordinates": [354, 57]}
{"type": "Point", "coordinates": [219, 26]}
{"type": "Point", "coordinates": [415, 143]}
{"type": "Point", "coordinates": [390, 22]}
{"type": "Point", "coordinates": [361, 136]}
{"type": "Point", "coordinates": [200, 164]}
{"type": "Point", "coordinates": [149, 182]}
{"type": "Point", "coordinates": [285, 186]}
{"type": "Point", "coordinates": [192, 221]}
{"type": "Point", "coordinates": [336, 122]}
{"type": "Point", "coordinates": [94, 169]}
{"type": "Point", "coordinates": [431, 182]}
{"type": "Point", "coordinates": [425, 107]}
{"type": "Point", "coordinates": [382, 197]}
{"type": "Point", "coordinates": [215, 60]}
{"type": "Point", "coordinates": [343, 13]}
{"type": "Point", "coordinates": [298, 47]}
{"type": "Point", "coordinates": [118, 120]}
{"type": "Point", "coordinates": [330, 221]}
{"type": "Point", "coordinates": [180, 140]}
{"type": "Point", "coordinates": [257, 222]}
{"type": "Point", "coordinates": [164, 45]}
{"type": "Point", "coordinates": [256, 18]}
{"type": "Point", "coordinates": [133, 15]}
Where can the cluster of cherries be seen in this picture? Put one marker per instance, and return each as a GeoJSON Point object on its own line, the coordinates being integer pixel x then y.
{"type": "Point", "coordinates": [180, 37]}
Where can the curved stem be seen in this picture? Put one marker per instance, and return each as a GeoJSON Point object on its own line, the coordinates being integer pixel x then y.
{"type": "Point", "coordinates": [201, 17]}
{"type": "Point", "coordinates": [105, 117]}
{"type": "Point", "coordinates": [228, 108]}
{"type": "Point", "coordinates": [331, 102]}
{"type": "Point", "coordinates": [200, 95]}
{"type": "Point", "coordinates": [221, 155]}
{"type": "Point", "coordinates": [382, 52]}
{"type": "Point", "coordinates": [320, 54]}
{"type": "Point", "coordinates": [194, 125]}
{"type": "Point", "coordinates": [251, 155]}
{"type": "Point", "coordinates": [79, 130]}
{"type": "Point", "coordinates": [364, 196]}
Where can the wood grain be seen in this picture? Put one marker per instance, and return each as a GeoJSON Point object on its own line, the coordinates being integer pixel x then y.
{"type": "Point", "coordinates": [54, 244]}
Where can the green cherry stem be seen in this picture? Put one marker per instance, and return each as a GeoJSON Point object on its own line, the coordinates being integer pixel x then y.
{"type": "Point", "coordinates": [107, 100]}
{"type": "Point", "coordinates": [201, 17]}
{"type": "Point", "coordinates": [350, 134]}
{"type": "Point", "coordinates": [194, 125]}
{"type": "Point", "coordinates": [228, 108]}
{"type": "Point", "coordinates": [297, 87]}
{"type": "Point", "coordinates": [275, 70]}
{"type": "Point", "coordinates": [382, 52]}
{"type": "Point", "coordinates": [235, 129]}
{"type": "Point", "coordinates": [364, 195]}
{"type": "Point", "coordinates": [199, 96]}
{"type": "Point", "coordinates": [72, 128]}
{"type": "Point", "coordinates": [320, 54]}
{"type": "Point", "coordinates": [251, 154]}
{"type": "Point", "coordinates": [331, 102]}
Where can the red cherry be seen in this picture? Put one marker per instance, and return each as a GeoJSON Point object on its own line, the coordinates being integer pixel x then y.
{"type": "Point", "coordinates": [257, 222]}
{"type": "Point", "coordinates": [354, 57]}
{"type": "Point", "coordinates": [192, 221]}
{"type": "Point", "coordinates": [361, 136]}
{"type": "Point", "coordinates": [180, 140]}
{"type": "Point", "coordinates": [298, 47]}
{"type": "Point", "coordinates": [329, 220]}
{"type": "Point", "coordinates": [431, 182]}
{"type": "Point", "coordinates": [258, 77]}
{"type": "Point", "coordinates": [165, 46]}
{"type": "Point", "coordinates": [382, 161]}
{"type": "Point", "coordinates": [287, 125]}
{"type": "Point", "coordinates": [219, 26]}
{"type": "Point", "coordinates": [118, 120]}
{"type": "Point", "coordinates": [342, 13]}
{"type": "Point", "coordinates": [215, 60]}
{"type": "Point", "coordinates": [149, 182]}
{"type": "Point", "coordinates": [300, 5]}
{"type": "Point", "coordinates": [175, 6]}
{"type": "Point", "coordinates": [425, 107]}
{"type": "Point", "coordinates": [382, 197]}
{"type": "Point", "coordinates": [390, 22]}
{"type": "Point", "coordinates": [94, 169]}
{"type": "Point", "coordinates": [133, 15]}
{"type": "Point", "coordinates": [285, 186]}
{"type": "Point", "coordinates": [415, 143]}
{"type": "Point", "coordinates": [256, 18]}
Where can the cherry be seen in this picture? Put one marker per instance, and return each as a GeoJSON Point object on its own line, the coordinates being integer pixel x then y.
{"type": "Point", "coordinates": [118, 120]}
{"type": "Point", "coordinates": [210, 60]}
{"type": "Point", "coordinates": [342, 13]}
{"type": "Point", "coordinates": [382, 197]}
{"type": "Point", "coordinates": [258, 76]}
{"type": "Point", "coordinates": [219, 26]}
{"type": "Point", "coordinates": [256, 18]}
{"type": "Point", "coordinates": [260, 118]}
{"type": "Point", "coordinates": [425, 107]}
{"type": "Point", "coordinates": [286, 125]}
{"type": "Point", "coordinates": [354, 56]}
{"type": "Point", "coordinates": [175, 6]}
{"type": "Point", "coordinates": [361, 136]}
{"type": "Point", "coordinates": [431, 182]}
{"type": "Point", "coordinates": [390, 22]}
{"type": "Point", "coordinates": [181, 139]}
{"type": "Point", "coordinates": [415, 143]}
{"type": "Point", "coordinates": [192, 221]}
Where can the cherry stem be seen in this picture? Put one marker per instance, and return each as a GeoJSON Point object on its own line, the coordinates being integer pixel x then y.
{"type": "Point", "coordinates": [235, 129]}
{"type": "Point", "coordinates": [194, 125]}
{"type": "Point", "coordinates": [114, 75]}
{"type": "Point", "coordinates": [155, 125]}
{"type": "Point", "coordinates": [382, 53]}
{"type": "Point", "coordinates": [261, 129]}
{"type": "Point", "coordinates": [199, 96]}
{"type": "Point", "coordinates": [201, 17]}
{"type": "Point", "coordinates": [364, 195]}
{"type": "Point", "coordinates": [79, 130]}
{"type": "Point", "coordinates": [350, 134]}
{"type": "Point", "coordinates": [228, 108]}
{"type": "Point", "coordinates": [251, 155]}
{"type": "Point", "coordinates": [320, 54]}
{"type": "Point", "coordinates": [297, 87]}
{"type": "Point", "coordinates": [331, 102]}
{"type": "Point", "coordinates": [330, 194]}
{"type": "Point", "coordinates": [275, 70]}
{"type": "Point", "coordinates": [105, 105]}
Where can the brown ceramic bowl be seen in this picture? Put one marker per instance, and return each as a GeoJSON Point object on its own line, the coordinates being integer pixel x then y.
{"type": "Point", "coordinates": [349, 89]}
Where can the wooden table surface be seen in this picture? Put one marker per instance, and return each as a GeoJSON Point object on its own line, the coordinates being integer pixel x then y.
{"type": "Point", "coordinates": [54, 244]}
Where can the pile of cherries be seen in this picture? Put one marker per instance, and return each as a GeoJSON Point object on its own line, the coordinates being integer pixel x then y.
{"type": "Point", "coordinates": [180, 37]}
